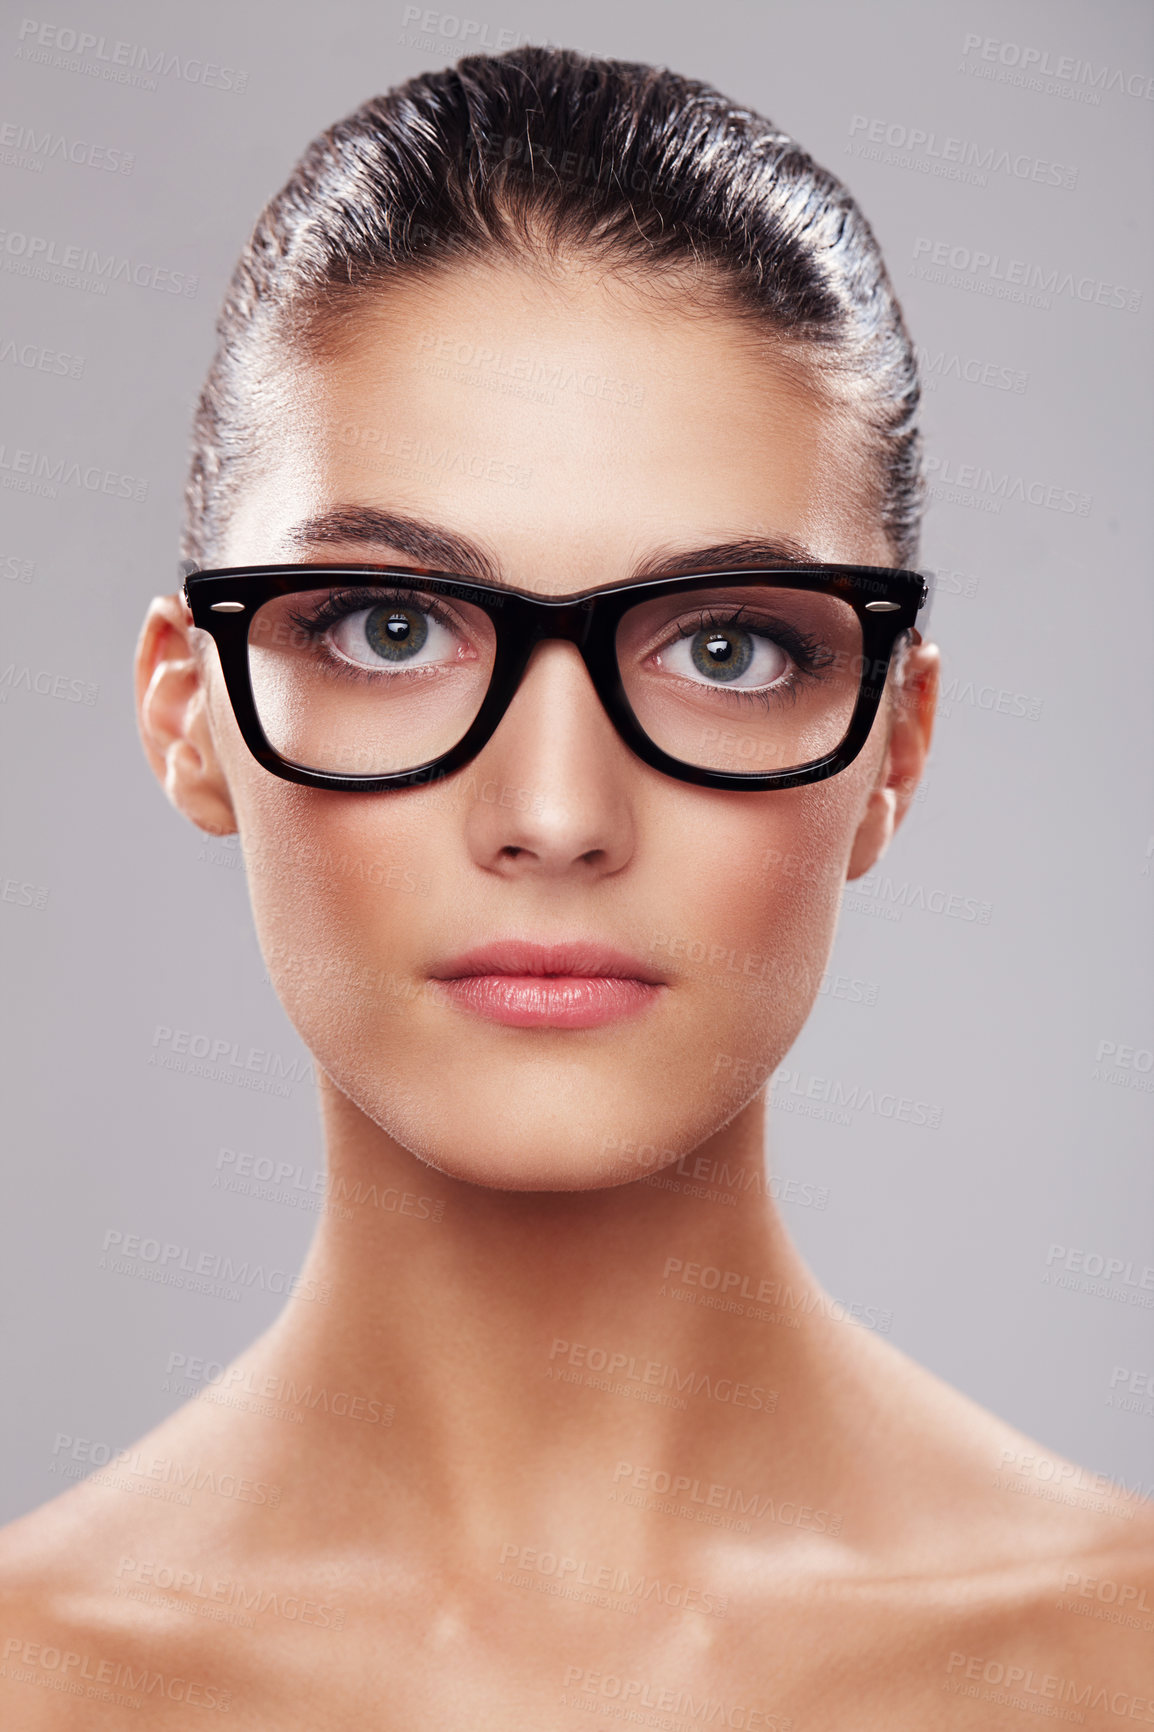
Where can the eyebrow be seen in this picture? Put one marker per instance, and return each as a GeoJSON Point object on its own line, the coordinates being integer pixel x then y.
{"type": "Point", "coordinates": [436, 549]}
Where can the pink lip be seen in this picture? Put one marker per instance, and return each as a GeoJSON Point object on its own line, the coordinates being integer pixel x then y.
{"type": "Point", "coordinates": [573, 985]}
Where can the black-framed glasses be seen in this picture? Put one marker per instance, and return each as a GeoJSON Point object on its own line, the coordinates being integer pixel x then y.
{"type": "Point", "coordinates": [363, 678]}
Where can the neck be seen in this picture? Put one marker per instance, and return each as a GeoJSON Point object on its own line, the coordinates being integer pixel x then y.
{"type": "Point", "coordinates": [546, 1350]}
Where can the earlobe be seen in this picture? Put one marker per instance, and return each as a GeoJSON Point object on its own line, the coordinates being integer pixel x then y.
{"type": "Point", "coordinates": [911, 728]}
{"type": "Point", "coordinates": [172, 715]}
{"type": "Point", "coordinates": [875, 830]}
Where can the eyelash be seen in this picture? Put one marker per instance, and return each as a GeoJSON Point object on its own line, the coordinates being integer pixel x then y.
{"type": "Point", "coordinates": [341, 602]}
{"type": "Point", "coordinates": [806, 653]}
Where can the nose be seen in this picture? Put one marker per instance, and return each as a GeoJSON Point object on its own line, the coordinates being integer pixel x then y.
{"type": "Point", "coordinates": [556, 782]}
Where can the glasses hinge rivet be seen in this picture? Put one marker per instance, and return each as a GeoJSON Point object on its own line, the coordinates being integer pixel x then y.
{"type": "Point", "coordinates": [227, 607]}
{"type": "Point", "coordinates": [871, 606]}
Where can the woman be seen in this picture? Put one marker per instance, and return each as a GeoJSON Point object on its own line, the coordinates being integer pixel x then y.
{"type": "Point", "coordinates": [554, 496]}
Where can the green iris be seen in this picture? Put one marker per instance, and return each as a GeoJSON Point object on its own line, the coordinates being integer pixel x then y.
{"type": "Point", "coordinates": [396, 633]}
{"type": "Point", "coordinates": [723, 652]}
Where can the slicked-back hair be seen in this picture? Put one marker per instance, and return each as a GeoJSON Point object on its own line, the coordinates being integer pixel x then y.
{"type": "Point", "coordinates": [542, 154]}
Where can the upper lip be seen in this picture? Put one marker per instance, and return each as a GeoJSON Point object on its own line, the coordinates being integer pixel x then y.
{"type": "Point", "coordinates": [574, 957]}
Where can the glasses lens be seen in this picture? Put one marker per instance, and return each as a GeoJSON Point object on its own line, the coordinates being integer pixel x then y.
{"type": "Point", "coordinates": [368, 681]}
{"type": "Point", "coordinates": [753, 677]}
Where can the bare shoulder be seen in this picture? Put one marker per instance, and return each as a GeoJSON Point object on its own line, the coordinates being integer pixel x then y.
{"type": "Point", "coordinates": [88, 1637]}
{"type": "Point", "coordinates": [1005, 1560]}
{"type": "Point", "coordinates": [1049, 1587]}
{"type": "Point", "coordinates": [75, 1650]}
{"type": "Point", "coordinates": [1066, 1633]}
{"type": "Point", "coordinates": [1062, 1637]}
{"type": "Point", "coordinates": [53, 1628]}
{"type": "Point", "coordinates": [1091, 1606]}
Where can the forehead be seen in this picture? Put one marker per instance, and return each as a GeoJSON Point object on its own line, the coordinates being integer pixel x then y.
{"type": "Point", "coordinates": [561, 432]}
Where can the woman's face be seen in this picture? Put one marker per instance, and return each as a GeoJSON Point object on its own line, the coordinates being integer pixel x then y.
{"type": "Point", "coordinates": [572, 431]}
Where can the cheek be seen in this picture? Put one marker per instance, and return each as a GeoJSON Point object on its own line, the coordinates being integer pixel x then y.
{"type": "Point", "coordinates": [343, 887]}
{"type": "Point", "coordinates": [324, 866]}
{"type": "Point", "coordinates": [759, 895]}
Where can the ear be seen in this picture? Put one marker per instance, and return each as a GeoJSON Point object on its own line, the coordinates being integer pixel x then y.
{"type": "Point", "coordinates": [172, 715]}
{"type": "Point", "coordinates": [913, 702]}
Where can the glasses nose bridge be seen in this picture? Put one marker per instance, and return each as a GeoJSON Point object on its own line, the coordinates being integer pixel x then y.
{"type": "Point", "coordinates": [565, 621]}
{"type": "Point", "coordinates": [568, 621]}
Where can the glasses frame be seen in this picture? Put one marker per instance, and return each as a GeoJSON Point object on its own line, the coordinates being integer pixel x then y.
{"type": "Point", "coordinates": [223, 603]}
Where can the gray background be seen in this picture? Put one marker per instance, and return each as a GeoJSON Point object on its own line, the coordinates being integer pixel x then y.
{"type": "Point", "coordinates": [118, 918]}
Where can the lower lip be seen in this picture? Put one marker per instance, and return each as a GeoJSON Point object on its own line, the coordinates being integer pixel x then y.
{"type": "Point", "coordinates": [551, 1001]}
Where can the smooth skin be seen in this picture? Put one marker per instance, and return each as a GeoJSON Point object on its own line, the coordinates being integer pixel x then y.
{"type": "Point", "coordinates": [447, 1530]}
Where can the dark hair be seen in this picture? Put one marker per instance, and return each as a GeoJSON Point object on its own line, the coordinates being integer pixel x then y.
{"type": "Point", "coordinates": [521, 154]}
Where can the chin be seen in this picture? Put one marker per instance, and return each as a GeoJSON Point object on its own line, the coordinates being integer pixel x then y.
{"type": "Point", "coordinates": [537, 1130]}
{"type": "Point", "coordinates": [501, 1168]}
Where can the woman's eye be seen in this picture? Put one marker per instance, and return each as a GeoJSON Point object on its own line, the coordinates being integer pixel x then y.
{"type": "Point", "coordinates": [393, 635]}
{"type": "Point", "coordinates": [726, 655]}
